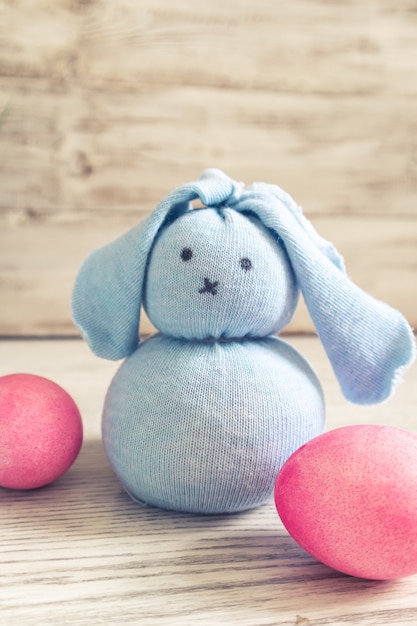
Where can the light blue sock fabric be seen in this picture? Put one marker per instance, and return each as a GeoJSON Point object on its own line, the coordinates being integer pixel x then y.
{"type": "Point", "coordinates": [201, 417]}
{"type": "Point", "coordinates": [205, 426]}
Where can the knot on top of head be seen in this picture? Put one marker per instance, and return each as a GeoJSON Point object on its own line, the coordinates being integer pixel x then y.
{"type": "Point", "coordinates": [217, 189]}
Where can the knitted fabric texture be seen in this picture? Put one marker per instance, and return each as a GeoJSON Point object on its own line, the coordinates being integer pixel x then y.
{"type": "Point", "coordinates": [205, 426]}
{"type": "Point", "coordinates": [202, 416]}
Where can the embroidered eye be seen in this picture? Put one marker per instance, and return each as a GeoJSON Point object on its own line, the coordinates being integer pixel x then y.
{"type": "Point", "coordinates": [246, 264]}
{"type": "Point", "coordinates": [186, 254]}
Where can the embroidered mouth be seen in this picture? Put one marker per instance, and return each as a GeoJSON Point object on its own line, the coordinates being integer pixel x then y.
{"type": "Point", "coordinates": [209, 287]}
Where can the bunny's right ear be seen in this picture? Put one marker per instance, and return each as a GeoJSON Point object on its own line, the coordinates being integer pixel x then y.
{"type": "Point", "coordinates": [369, 344]}
{"type": "Point", "coordinates": [107, 294]}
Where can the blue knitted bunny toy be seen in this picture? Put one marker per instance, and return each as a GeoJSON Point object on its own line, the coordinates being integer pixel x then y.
{"type": "Point", "coordinates": [201, 416]}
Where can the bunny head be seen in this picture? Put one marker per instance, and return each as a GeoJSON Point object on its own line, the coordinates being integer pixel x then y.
{"type": "Point", "coordinates": [233, 270]}
{"type": "Point", "coordinates": [215, 273]}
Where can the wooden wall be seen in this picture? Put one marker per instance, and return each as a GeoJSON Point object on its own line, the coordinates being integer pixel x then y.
{"type": "Point", "coordinates": [108, 105]}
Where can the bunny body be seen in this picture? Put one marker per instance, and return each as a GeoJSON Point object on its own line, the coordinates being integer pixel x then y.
{"type": "Point", "coordinates": [205, 426]}
{"type": "Point", "coordinates": [202, 416]}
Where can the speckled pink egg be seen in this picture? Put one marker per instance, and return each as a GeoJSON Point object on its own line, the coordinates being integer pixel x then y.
{"type": "Point", "coordinates": [349, 498]}
{"type": "Point", "coordinates": [40, 431]}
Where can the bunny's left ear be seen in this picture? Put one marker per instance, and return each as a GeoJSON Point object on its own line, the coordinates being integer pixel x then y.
{"type": "Point", "coordinates": [369, 344]}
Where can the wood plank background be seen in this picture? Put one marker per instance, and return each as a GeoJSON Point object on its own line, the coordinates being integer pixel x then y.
{"type": "Point", "coordinates": [109, 105]}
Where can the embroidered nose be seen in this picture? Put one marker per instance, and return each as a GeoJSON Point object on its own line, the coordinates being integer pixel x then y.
{"type": "Point", "coordinates": [209, 287]}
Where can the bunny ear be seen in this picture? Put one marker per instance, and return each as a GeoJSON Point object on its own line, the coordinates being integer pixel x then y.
{"type": "Point", "coordinates": [107, 294]}
{"type": "Point", "coordinates": [369, 344]}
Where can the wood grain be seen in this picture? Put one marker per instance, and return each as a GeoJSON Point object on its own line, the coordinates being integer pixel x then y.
{"type": "Point", "coordinates": [80, 552]}
{"type": "Point", "coordinates": [111, 105]}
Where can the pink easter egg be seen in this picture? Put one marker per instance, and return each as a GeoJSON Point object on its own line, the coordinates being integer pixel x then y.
{"type": "Point", "coordinates": [349, 498]}
{"type": "Point", "coordinates": [40, 431]}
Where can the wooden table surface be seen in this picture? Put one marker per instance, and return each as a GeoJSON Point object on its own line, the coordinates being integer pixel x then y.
{"type": "Point", "coordinates": [81, 552]}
